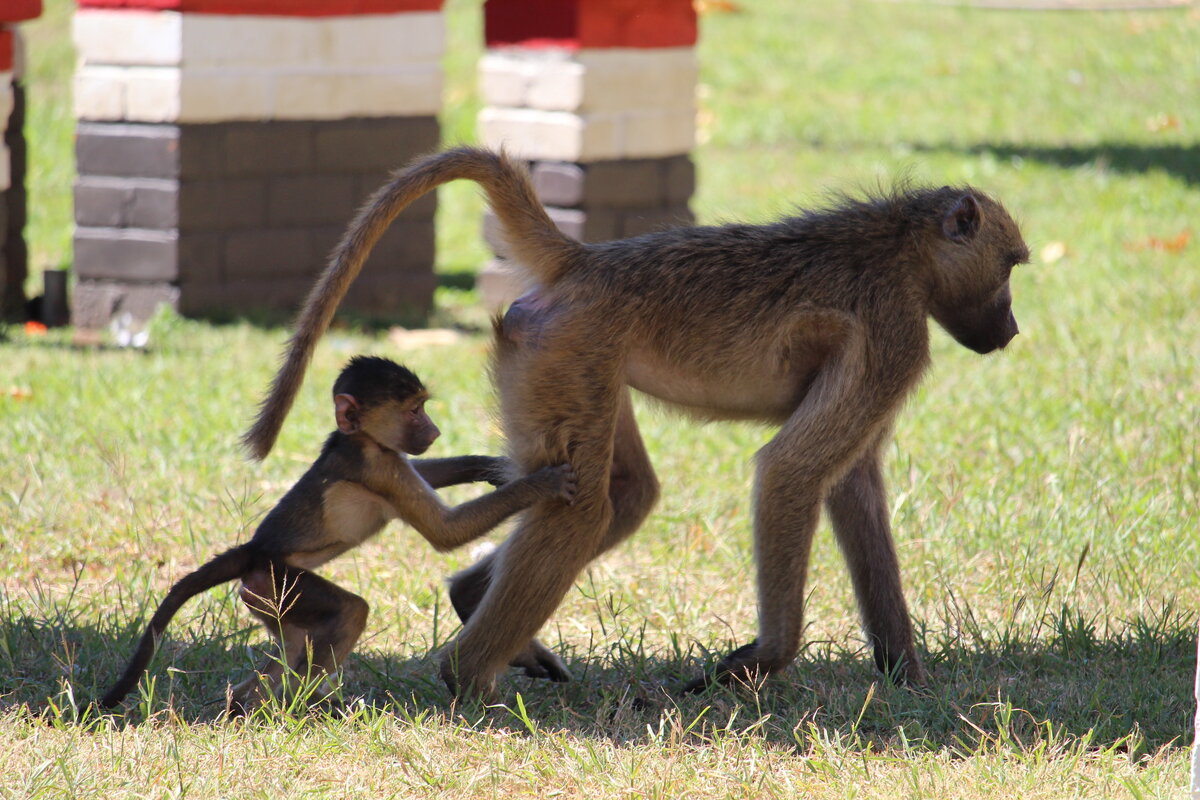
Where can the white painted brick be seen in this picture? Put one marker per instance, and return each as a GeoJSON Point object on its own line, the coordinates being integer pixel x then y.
{"type": "Point", "coordinates": [657, 133]}
{"type": "Point", "coordinates": [215, 95]}
{"type": "Point", "coordinates": [100, 93]}
{"type": "Point", "coordinates": [225, 41]}
{"type": "Point", "coordinates": [563, 136]}
{"type": "Point", "coordinates": [410, 91]}
{"type": "Point", "coordinates": [128, 37]}
{"type": "Point", "coordinates": [589, 81]}
{"type": "Point", "coordinates": [18, 69]}
{"type": "Point", "coordinates": [152, 94]}
{"type": "Point", "coordinates": [385, 40]}
{"type": "Point", "coordinates": [551, 135]}
{"type": "Point", "coordinates": [7, 98]}
{"type": "Point", "coordinates": [5, 168]}
{"type": "Point", "coordinates": [632, 79]}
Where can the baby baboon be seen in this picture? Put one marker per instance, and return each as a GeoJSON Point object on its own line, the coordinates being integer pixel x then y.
{"type": "Point", "coordinates": [817, 323]}
{"type": "Point", "coordinates": [360, 481]}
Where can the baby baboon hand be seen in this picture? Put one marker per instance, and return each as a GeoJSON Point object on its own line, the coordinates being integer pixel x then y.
{"type": "Point", "coordinates": [558, 481]}
{"type": "Point", "coordinates": [500, 471]}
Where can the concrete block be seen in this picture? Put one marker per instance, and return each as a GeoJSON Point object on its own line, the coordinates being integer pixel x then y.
{"type": "Point", "coordinates": [606, 81]}
{"type": "Point", "coordinates": [136, 151]}
{"type": "Point", "coordinates": [221, 41]}
{"type": "Point", "coordinates": [128, 37]}
{"type": "Point", "coordinates": [7, 101]}
{"type": "Point", "coordinates": [623, 79]}
{"type": "Point", "coordinates": [657, 133]}
{"type": "Point", "coordinates": [413, 90]}
{"type": "Point", "coordinates": [220, 95]}
{"type": "Point", "coordinates": [310, 200]}
{"type": "Point", "coordinates": [153, 94]}
{"type": "Point", "coordinates": [96, 302]}
{"type": "Point", "coordinates": [550, 135]}
{"type": "Point", "coordinates": [125, 254]}
{"type": "Point", "coordinates": [679, 180]}
{"type": "Point", "coordinates": [100, 93]}
{"type": "Point", "coordinates": [266, 148]}
{"type": "Point", "coordinates": [406, 246]}
{"type": "Point", "coordinates": [622, 183]}
{"type": "Point", "coordinates": [222, 204]}
{"type": "Point", "coordinates": [385, 40]}
{"type": "Point", "coordinates": [374, 146]}
{"type": "Point", "coordinates": [388, 295]}
{"type": "Point", "coordinates": [270, 253]}
{"type": "Point", "coordinates": [560, 183]}
{"type": "Point", "coordinates": [201, 256]}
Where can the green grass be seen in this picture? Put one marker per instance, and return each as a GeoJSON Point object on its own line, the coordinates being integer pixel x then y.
{"type": "Point", "coordinates": [1043, 499]}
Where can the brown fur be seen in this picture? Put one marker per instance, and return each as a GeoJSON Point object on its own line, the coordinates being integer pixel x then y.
{"type": "Point", "coordinates": [360, 482]}
{"type": "Point", "coordinates": [816, 323]}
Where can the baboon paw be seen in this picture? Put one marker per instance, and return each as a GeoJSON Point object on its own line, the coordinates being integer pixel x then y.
{"type": "Point", "coordinates": [906, 671]}
{"type": "Point", "coordinates": [743, 667]}
{"type": "Point", "coordinates": [463, 686]}
{"type": "Point", "coordinates": [539, 661]}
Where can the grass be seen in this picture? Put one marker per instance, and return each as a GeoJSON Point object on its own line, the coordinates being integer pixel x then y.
{"type": "Point", "coordinates": [1043, 499]}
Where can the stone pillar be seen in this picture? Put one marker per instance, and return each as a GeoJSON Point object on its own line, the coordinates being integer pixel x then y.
{"type": "Point", "coordinates": [598, 96]}
{"type": "Point", "coordinates": [14, 253]}
{"type": "Point", "coordinates": [223, 145]}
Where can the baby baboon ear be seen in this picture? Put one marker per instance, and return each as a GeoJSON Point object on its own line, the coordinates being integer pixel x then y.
{"type": "Point", "coordinates": [345, 408]}
{"type": "Point", "coordinates": [962, 223]}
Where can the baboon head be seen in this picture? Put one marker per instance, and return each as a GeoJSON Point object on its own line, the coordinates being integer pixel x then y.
{"type": "Point", "coordinates": [976, 247]}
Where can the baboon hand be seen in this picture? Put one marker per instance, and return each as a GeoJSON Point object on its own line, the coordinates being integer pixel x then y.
{"type": "Point", "coordinates": [500, 471]}
{"type": "Point", "coordinates": [558, 481]}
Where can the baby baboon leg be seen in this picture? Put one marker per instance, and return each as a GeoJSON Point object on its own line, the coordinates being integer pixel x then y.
{"type": "Point", "coordinates": [315, 622]}
{"type": "Point", "coordinates": [859, 512]}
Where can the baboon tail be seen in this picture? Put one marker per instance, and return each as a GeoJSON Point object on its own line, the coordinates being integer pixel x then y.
{"type": "Point", "coordinates": [229, 565]}
{"type": "Point", "coordinates": [536, 243]}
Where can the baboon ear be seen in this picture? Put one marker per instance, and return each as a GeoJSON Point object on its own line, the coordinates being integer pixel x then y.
{"type": "Point", "coordinates": [345, 408]}
{"type": "Point", "coordinates": [962, 223]}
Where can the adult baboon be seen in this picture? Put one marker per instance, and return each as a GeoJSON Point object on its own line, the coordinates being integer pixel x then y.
{"type": "Point", "coordinates": [816, 323]}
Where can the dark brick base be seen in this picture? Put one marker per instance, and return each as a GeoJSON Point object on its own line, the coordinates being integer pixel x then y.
{"type": "Point", "coordinates": [233, 217]}
{"type": "Point", "coordinates": [597, 202]}
{"type": "Point", "coordinates": [14, 254]}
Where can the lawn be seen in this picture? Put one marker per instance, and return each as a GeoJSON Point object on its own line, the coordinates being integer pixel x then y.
{"type": "Point", "coordinates": [1043, 498]}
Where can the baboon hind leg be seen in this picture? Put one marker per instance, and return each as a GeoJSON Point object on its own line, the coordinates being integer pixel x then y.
{"type": "Point", "coordinates": [632, 492]}
{"type": "Point", "coordinates": [858, 509]}
{"type": "Point", "coordinates": [315, 623]}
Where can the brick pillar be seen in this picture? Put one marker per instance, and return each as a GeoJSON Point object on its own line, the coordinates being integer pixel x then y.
{"type": "Point", "coordinates": [223, 146]}
{"type": "Point", "coordinates": [14, 253]}
{"type": "Point", "coordinates": [598, 96]}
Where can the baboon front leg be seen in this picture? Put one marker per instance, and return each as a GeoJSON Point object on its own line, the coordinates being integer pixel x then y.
{"type": "Point", "coordinates": [315, 622]}
{"type": "Point", "coordinates": [858, 509]}
{"type": "Point", "coordinates": [795, 469]}
{"type": "Point", "coordinates": [632, 492]}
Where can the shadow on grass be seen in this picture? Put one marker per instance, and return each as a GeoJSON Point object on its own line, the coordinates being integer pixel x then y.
{"type": "Point", "coordinates": [1131, 689]}
{"type": "Point", "coordinates": [1179, 160]}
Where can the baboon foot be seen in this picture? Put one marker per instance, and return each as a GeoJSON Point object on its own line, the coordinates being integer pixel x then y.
{"type": "Point", "coordinates": [904, 669]}
{"type": "Point", "coordinates": [745, 666]}
{"type": "Point", "coordinates": [539, 661]}
{"type": "Point", "coordinates": [466, 684]}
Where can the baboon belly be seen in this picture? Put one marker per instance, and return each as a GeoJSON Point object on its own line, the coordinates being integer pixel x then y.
{"type": "Point", "coordinates": [767, 389]}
